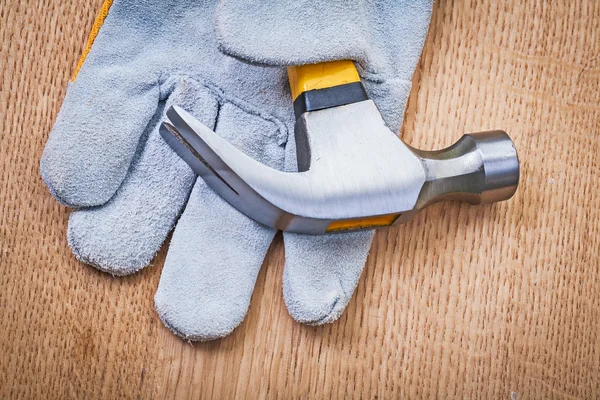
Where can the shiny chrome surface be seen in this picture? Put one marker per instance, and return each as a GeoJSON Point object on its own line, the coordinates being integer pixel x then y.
{"type": "Point", "coordinates": [351, 166]}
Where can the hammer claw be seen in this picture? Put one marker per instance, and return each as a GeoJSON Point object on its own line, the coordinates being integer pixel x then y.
{"type": "Point", "coordinates": [226, 169]}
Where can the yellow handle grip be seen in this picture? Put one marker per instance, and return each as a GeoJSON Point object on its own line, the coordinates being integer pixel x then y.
{"type": "Point", "coordinates": [320, 76]}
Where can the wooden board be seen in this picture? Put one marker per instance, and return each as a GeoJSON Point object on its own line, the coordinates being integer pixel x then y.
{"type": "Point", "coordinates": [496, 301]}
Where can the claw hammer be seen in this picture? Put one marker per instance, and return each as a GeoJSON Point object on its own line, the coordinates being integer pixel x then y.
{"type": "Point", "coordinates": [353, 171]}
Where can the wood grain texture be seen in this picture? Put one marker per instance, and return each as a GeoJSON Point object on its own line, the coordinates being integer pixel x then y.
{"type": "Point", "coordinates": [495, 301]}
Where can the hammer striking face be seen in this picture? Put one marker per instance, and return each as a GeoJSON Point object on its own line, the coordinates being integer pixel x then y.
{"type": "Point", "coordinates": [354, 173]}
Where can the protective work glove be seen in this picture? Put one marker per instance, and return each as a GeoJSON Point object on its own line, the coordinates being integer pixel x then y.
{"type": "Point", "coordinates": [105, 158]}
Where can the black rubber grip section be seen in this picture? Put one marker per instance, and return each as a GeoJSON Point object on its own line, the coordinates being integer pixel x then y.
{"type": "Point", "coordinates": [320, 99]}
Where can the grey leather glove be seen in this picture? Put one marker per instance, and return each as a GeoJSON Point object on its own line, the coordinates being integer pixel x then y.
{"type": "Point", "coordinates": [106, 158]}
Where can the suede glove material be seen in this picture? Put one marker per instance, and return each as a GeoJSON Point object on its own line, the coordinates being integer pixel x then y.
{"type": "Point", "coordinates": [106, 159]}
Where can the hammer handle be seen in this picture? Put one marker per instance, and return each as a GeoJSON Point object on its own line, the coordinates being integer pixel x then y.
{"type": "Point", "coordinates": [325, 85]}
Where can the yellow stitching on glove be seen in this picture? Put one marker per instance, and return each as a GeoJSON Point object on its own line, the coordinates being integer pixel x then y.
{"type": "Point", "coordinates": [95, 29]}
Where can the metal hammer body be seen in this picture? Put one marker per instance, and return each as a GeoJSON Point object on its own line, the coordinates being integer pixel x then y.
{"type": "Point", "coordinates": [354, 173]}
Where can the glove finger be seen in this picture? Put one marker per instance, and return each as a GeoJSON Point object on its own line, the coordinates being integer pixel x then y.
{"type": "Point", "coordinates": [104, 113]}
{"type": "Point", "coordinates": [216, 252]}
{"type": "Point", "coordinates": [211, 268]}
{"type": "Point", "coordinates": [95, 136]}
{"type": "Point", "coordinates": [321, 273]}
{"type": "Point", "coordinates": [123, 235]}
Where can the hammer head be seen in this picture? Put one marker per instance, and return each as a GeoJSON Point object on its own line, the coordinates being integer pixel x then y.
{"type": "Point", "coordinates": [354, 173]}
